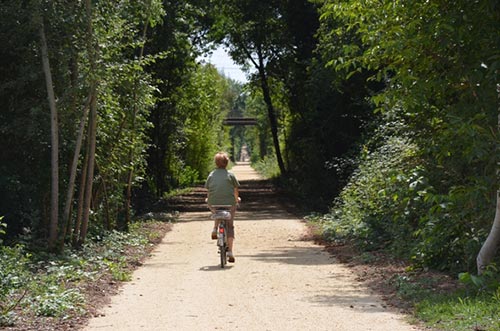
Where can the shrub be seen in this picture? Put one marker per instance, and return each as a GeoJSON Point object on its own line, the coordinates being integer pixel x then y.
{"type": "Point", "coordinates": [267, 167]}
{"type": "Point", "coordinates": [14, 275]}
{"type": "Point", "coordinates": [378, 205]}
{"type": "Point", "coordinates": [400, 198]}
{"type": "Point", "coordinates": [188, 176]}
{"type": "Point", "coordinates": [51, 285]}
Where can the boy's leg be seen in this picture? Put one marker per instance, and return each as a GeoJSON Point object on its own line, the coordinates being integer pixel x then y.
{"type": "Point", "coordinates": [214, 230]}
{"type": "Point", "coordinates": [230, 238]}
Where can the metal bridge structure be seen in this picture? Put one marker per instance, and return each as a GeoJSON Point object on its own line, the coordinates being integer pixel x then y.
{"type": "Point", "coordinates": [235, 121]}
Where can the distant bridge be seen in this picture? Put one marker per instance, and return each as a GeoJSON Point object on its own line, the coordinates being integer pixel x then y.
{"type": "Point", "coordinates": [240, 121]}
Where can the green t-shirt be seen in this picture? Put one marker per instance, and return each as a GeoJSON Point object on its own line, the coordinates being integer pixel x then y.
{"type": "Point", "coordinates": [220, 185]}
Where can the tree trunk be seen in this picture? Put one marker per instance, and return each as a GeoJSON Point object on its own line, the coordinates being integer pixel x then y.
{"type": "Point", "coordinates": [74, 167]}
{"type": "Point", "coordinates": [106, 204]}
{"type": "Point", "coordinates": [54, 131]}
{"type": "Point", "coordinates": [90, 168]}
{"type": "Point", "coordinates": [489, 248]}
{"type": "Point", "coordinates": [75, 236]}
{"type": "Point", "coordinates": [271, 113]}
{"type": "Point", "coordinates": [92, 126]}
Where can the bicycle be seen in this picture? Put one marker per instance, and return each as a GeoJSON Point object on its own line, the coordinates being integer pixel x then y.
{"type": "Point", "coordinates": [221, 213]}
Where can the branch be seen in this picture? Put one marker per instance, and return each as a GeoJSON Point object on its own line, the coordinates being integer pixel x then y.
{"type": "Point", "coordinates": [249, 55]}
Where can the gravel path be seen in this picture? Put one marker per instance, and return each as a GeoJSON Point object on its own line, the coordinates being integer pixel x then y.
{"type": "Point", "coordinates": [280, 280]}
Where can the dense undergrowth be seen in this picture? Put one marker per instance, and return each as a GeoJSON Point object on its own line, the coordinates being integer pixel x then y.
{"type": "Point", "coordinates": [396, 203]}
{"type": "Point", "coordinates": [35, 285]}
{"type": "Point", "coordinates": [267, 167]}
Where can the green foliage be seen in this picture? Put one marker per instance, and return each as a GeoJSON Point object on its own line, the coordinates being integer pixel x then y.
{"type": "Point", "coordinates": [194, 98]}
{"type": "Point", "coordinates": [118, 270]}
{"type": "Point", "coordinates": [179, 191]}
{"type": "Point", "coordinates": [376, 206]}
{"type": "Point", "coordinates": [14, 275]}
{"type": "Point", "coordinates": [125, 97]}
{"type": "Point", "coordinates": [439, 68]}
{"type": "Point", "coordinates": [267, 167]}
{"type": "Point", "coordinates": [49, 285]}
{"type": "Point", "coordinates": [188, 177]}
{"type": "Point", "coordinates": [200, 108]}
{"type": "Point", "coordinates": [487, 282]}
{"type": "Point", "coordinates": [205, 108]}
{"type": "Point", "coordinates": [257, 138]}
{"type": "Point", "coordinates": [412, 289]}
{"type": "Point", "coordinates": [159, 111]}
{"type": "Point", "coordinates": [24, 128]}
{"type": "Point", "coordinates": [455, 312]}
{"type": "Point", "coordinates": [264, 35]}
{"type": "Point", "coordinates": [55, 301]}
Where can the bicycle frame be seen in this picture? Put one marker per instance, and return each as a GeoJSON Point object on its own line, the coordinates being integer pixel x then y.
{"type": "Point", "coordinates": [221, 214]}
{"type": "Point", "coordinates": [222, 242]}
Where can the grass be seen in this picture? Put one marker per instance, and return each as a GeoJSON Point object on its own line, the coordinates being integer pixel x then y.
{"type": "Point", "coordinates": [475, 306]}
{"type": "Point", "coordinates": [176, 192]}
{"type": "Point", "coordinates": [268, 167]}
{"type": "Point", "coordinates": [460, 312]}
{"type": "Point", "coordinates": [444, 305]}
{"type": "Point", "coordinates": [441, 303]}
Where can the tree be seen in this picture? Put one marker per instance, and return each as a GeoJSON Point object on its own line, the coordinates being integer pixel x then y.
{"type": "Point", "coordinates": [54, 204]}
{"type": "Point", "coordinates": [189, 108]}
{"type": "Point", "coordinates": [92, 132]}
{"type": "Point", "coordinates": [254, 32]}
{"type": "Point", "coordinates": [86, 79]}
{"type": "Point", "coordinates": [489, 248]}
{"type": "Point", "coordinates": [206, 103]}
{"type": "Point", "coordinates": [438, 67]}
{"type": "Point", "coordinates": [151, 18]}
{"type": "Point", "coordinates": [25, 121]}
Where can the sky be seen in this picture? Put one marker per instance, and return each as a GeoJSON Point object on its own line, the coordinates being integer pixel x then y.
{"type": "Point", "coordinates": [221, 60]}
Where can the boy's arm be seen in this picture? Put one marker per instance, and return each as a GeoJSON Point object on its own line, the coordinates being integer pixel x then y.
{"type": "Point", "coordinates": [206, 186]}
{"type": "Point", "coordinates": [237, 195]}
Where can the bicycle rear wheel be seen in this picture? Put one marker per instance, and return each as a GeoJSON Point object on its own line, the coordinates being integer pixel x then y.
{"type": "Point", "coordinates": [223, 256]}
{"type": "Point", "coordinates": [222, 243]}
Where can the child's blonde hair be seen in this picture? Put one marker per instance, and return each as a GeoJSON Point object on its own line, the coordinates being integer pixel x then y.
{"type": "Point", "coordinates": [221, 160]}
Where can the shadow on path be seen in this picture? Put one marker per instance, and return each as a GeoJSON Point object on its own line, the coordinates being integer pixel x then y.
{"type": "Point", "coordinates": [260, 200]}
{"type": "Point", "coordinates": [291, 255]}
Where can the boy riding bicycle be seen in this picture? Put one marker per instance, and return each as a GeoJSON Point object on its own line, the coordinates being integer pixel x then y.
{"type": "Point", "coordinates": [222, 188]}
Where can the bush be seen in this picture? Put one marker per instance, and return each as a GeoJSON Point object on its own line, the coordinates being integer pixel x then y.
{"type": "Point", "coordinates": [378, 207]}
{"type": "Point", "coordinates": [52, 285]}
{"type": "Point", "coordinates": [267, 167]}
{"type": "Point", "coordinates": [56, 301]}
{"type": "Point", "coordinates": [487, 282]}
{"type": "Point", "coordinates": [400, 199]}
{"type": "Point", "coordinates": [188, 176]}
{"type": "Point", "coordinates": [14, 275]}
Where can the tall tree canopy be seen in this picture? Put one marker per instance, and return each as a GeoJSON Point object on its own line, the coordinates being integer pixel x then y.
{"type": "Point", "coordinates": [102, 62]}
{"type": "Point", "coordinates": [387, 108]}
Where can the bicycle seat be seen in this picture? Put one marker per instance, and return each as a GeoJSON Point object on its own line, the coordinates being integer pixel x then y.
{"type": "Point", "coordinates": [221, 215]}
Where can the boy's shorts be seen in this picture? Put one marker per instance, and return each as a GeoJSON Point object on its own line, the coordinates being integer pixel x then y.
{"type": "Point", "coordinates": [230, 223]}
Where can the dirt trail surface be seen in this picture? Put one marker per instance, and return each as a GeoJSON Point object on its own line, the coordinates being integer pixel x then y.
{"type": "Point", "coordinates": [280, 281]}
